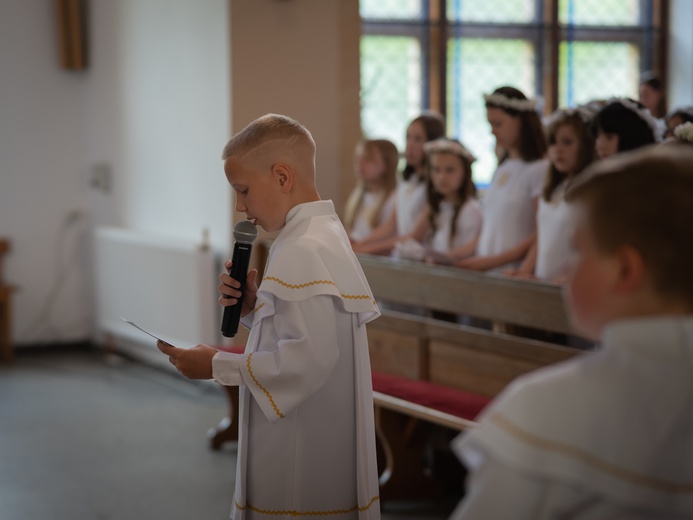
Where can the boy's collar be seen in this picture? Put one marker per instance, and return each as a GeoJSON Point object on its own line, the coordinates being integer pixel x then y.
{"type": "Point", "coordinates": [654, 335]}
{"type": "Point", "coordinates": [310, 209]}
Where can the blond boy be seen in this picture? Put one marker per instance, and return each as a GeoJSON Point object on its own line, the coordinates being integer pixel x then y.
{"type": "Point", "coordinates": [307, 441]}
{"type": "Point", "coordinates": [609, 434]}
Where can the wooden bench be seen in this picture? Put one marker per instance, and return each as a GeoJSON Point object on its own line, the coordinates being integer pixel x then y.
{"type": "Point", "coordinates": [467, 363]}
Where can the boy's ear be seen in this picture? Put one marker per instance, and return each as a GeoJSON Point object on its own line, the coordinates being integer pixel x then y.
{"type": "Point", "coordinates": [284, 176]}
{"type": "Point", "coordinates": [631, 274]}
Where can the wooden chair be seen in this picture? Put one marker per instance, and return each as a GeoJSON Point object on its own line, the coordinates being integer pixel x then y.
{"type": "Point", "coordinates": [5, 309]}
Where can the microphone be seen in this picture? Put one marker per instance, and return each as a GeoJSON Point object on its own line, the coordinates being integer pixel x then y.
{"type": "Point", "coordinates": [244, 233]}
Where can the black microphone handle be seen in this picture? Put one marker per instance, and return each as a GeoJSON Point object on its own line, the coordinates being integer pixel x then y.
{"type": "Point", "coordinates": [238, 271]}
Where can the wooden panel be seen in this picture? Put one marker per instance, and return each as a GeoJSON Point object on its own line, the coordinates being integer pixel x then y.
{"type": "Point", "coordinates": [474, 370]}
{"type": "Point", "coordinates": [532, 350]}
{"type": "Point", "coordinates": [396, 354]}
{"type": "Point", "coordinates": [484, 295]}
{"type": "Point", "coordinates": [458, 356]}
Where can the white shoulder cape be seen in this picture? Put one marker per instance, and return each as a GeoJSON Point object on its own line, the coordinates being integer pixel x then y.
{"type": "Point", "coordinates": [618, 422]}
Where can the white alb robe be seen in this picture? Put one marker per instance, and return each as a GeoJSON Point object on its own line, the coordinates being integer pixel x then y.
{"type": "Point", "coordinates": [556, 221]}
{"type": "Point", "coordinates": [306, 438]}
{"type": "Point", "coordinates": [608, 435]}
{"type": "Point", "coordinates": [509, 216]}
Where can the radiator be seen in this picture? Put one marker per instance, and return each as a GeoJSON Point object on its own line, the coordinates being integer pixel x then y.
{"type": "Point", "coordinates": [167, 286]}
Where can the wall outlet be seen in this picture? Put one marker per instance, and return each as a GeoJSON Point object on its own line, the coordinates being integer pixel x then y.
{"type": "Point", "coordinates": [73, 216]}
{"type": "Point", "coordinates": [101, 177]}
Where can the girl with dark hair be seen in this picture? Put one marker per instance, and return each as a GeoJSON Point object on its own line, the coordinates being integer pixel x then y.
{"type": "Point", "coordinates": [678, 117]}
{"type": "Point", "coordinates": [510, 202]}
{"type": "Point", "coordinates": [411, 187]}
{"type": "Point", "coordinates": [651, 94]}
{"type": "Point", "coordinates": [622, 125]}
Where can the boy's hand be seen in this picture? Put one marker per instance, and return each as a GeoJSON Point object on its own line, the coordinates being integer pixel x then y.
{"type": "Point", "coordinates": [229, 293]}
{"type": "Point", "coordinates": [194, 363]}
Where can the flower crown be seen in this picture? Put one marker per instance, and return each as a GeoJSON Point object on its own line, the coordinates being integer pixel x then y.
{"type": "Point", "coordinates": [503, 101]}
{"type": "Point", "coordinates": [585, 112]}
{"type": "Point", "coordinates": [444, 145]}
{"type": "Point", "coordinates": [644, 114]}
{"type": "Point", "coordinates": [684, 132]}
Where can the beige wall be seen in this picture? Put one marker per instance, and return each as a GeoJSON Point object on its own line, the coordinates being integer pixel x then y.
{"type": "Point", "coordinates": [301, 58]}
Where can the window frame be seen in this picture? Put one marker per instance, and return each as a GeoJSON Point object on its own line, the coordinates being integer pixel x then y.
{"type": "Point", "coordinates": [546, 33]}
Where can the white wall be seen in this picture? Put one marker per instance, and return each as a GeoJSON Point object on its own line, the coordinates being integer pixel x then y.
{"type": "Point", "coordinates": [153, 106]}
{"type": "Point", "coordinates": [681, 54]}
{"type": "Point", "coordinates": [158, 114]}
{"type": "Point", "coordinates": [42, 126]}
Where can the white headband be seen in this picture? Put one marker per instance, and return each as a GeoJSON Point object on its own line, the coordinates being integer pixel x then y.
{"type": "Point", "coordinates": [584, 112]}
{"type": "Point", "coordinates": [644, 114]}
{"type": "Point", "coordinates": [503, 101]}
{"type": "Point", "coordinates": [444, 145]}
{"type": "Point", "coordinates": [684, 132]}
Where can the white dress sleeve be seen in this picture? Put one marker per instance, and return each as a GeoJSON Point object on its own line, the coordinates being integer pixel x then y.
{"type": "Point", "coordinates": [469, 223]}
{"type": "Point", "coordinates": [537, 174]}
{"type": "Point", "coordinates": [388, 207]}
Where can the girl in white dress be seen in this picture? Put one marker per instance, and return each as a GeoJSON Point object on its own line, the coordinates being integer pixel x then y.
{"type": "Point", "coordinates": [411, 187]}
{"type": "Point", "coordinates": [652, 94]}
{"type": "Point", "coordinates": [571, 150]}
{"type": "Point", "coordinates": [510, 202]}
{"type": "Point", "coordinates": [372, 201]}
{"type": "Point", "coordinates": [449, 227]}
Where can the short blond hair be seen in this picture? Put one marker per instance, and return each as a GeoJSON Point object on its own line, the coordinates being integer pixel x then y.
{"type": "Point", "coordinates": [270, 127]}
{"type": "Point", "coordinates": [643, 199]}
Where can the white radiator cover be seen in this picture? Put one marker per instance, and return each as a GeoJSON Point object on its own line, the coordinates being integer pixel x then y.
{"type": "Point", "coordinates": [165, 285]}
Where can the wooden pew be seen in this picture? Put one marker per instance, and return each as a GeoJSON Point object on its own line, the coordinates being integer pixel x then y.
{"type": "Point", "coordinates": [476, 360]}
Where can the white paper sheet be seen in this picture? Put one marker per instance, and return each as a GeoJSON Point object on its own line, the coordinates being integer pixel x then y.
{"type": "Point", "coordinates": [143, 330]}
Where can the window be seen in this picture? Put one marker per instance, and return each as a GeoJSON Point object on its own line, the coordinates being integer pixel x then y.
{"type": "Point", "coordinates": [444, 55]}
